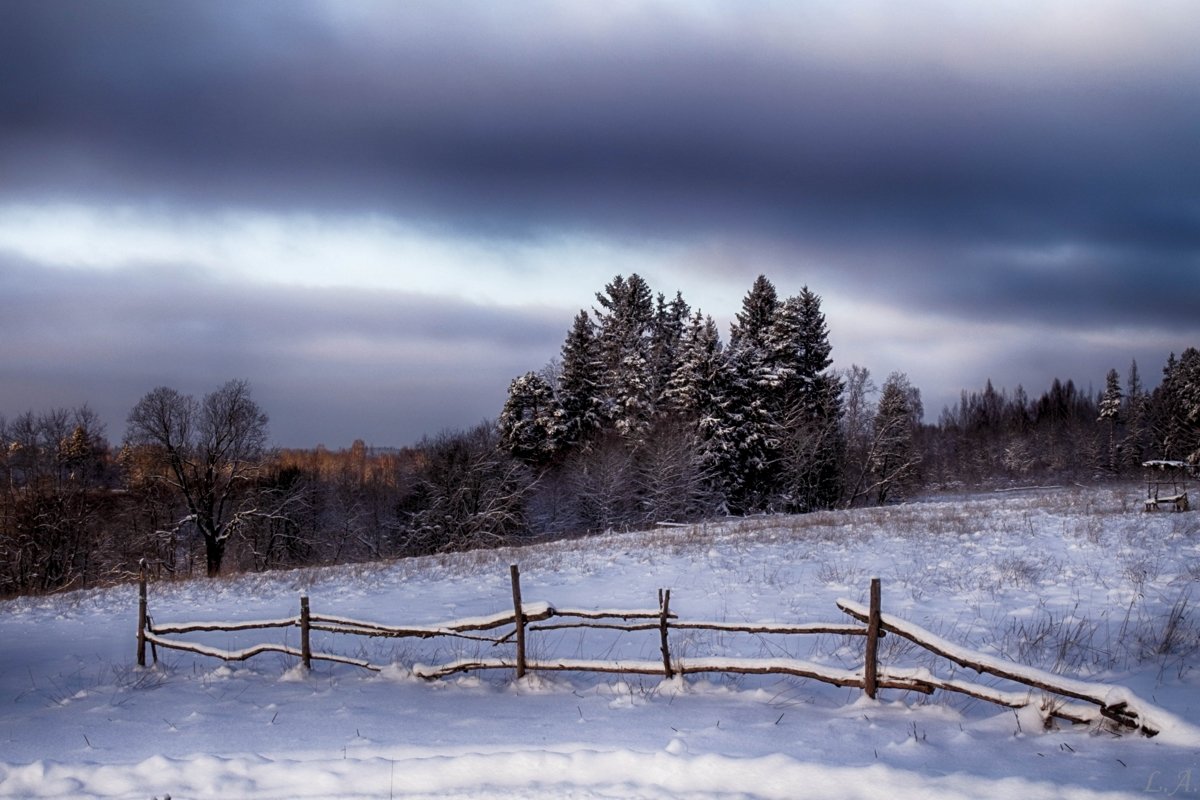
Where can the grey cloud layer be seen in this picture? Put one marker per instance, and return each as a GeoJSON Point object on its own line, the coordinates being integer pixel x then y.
{"type": "Point", "coordinates": [343, 363]}
{"type": "Point", "coordinates": [667, 130]}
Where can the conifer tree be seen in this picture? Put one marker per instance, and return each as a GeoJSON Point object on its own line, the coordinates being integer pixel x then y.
{"type": "Point", "coordinates": [694, 386]}
{"type": "Point", "coordinates": [695, 395]}
{"type": "Point", "coordinates": [757, 315]}
{"type": "Point", "coordinates": [812, 351]}
{"type": "Point", "coordinates": [1110, 412]}
{"type": "Point", "coordinates": [1134, 444]}
{"type": "Point", "coordinates": [625, 323]}
{"type": "Point", "coordinates": [666, 342]}
{"type": "Point", "coordinates": [529, 422]}
{"type": "Point", "coordinates": [808, 403]}
{"type": "Point", "coordinates": [580, 385]}
{"type": "Point", "coordinates": [1178, 407]}
{"type": "Point", "coordinates": [748, 430]}
{"type": "Point", "coordinates": [743, 441]}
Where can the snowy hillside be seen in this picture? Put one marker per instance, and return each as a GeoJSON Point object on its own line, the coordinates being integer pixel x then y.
{"type": "Point", "coordinates": [1073, 581]}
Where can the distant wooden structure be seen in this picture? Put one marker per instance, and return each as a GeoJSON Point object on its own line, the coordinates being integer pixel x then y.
{"type": "Point", "coordinates": [1167, 484]}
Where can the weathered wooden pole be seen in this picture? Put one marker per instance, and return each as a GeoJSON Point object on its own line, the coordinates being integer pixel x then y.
{"type": "Point", "coordinates": [664, 611]}
{"type": "Point", "coordinates": [141, 634]}
{"type": "Point", "coordinates": [305, 643]}
{"type": "Point", "coordinates": [518, 618]}
{"type": "Point", "coordinates": [871, 665]}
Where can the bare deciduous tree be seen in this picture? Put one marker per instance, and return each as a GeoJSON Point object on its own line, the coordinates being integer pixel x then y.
{"type": "Point", "coordinates": [472, 493]}
{"type": "Point", "coordinates": [211, 452]}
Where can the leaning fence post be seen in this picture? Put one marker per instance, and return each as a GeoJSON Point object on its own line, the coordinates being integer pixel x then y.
{"type": "Point", "coordinates": [305, 644]}
{"type": "Point", "coordinates": [518, 618]}
{"type": "Point", "coordinates": [141, 635]}
{"type": "Point", "coordinates": [871, 665]}
{"type": "Point", "coordinates": [664, 611]}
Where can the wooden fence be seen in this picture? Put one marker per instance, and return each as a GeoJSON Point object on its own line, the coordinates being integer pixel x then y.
{"type": "Point", "coordinates": [1086, 702]}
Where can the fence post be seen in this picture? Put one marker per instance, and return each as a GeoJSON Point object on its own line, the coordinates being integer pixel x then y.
{"type": "Point", "coordinates": [518, 618]}
{"type": "Point", "coordinates": [141, 634]}
{"type": "Point", "coordinates": [305, 644]}
{"type": "Point", "coordinates": [871, 665]}
{"type": "Point", "coordinates": [664, 610]}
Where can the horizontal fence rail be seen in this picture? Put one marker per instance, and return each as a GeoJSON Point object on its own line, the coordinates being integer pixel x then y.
{"type": "Point", "coordinates": [1085, 702]}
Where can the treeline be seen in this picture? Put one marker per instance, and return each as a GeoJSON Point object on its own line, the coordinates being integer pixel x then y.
{"type": "Point", "coordinates": [648, 416]}
{"type": "Point", "coordinates": [996, 436]}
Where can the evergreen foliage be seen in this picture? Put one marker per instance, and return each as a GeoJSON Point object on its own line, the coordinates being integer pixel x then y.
{"type": "Point", "coordinates": [529, 423]}
{"type": "Point", "coordinates": [581, 403]}
{"type": "Point", "coordinates": [1175, 408]}
{"type": "Point", "coordinates": [1133, 447]}
{"type": "Point", "coordinates": [671, 320]}
{"type": "Point", "coordinates": [810, 403]}
{"type": "Point", "coordinates": [1111, 405]}
{"type": "Point", "coordinates": [626, 321]}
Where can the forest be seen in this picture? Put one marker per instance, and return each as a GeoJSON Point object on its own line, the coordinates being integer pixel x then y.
{"type": "Point", "coordinates": [647, 417]}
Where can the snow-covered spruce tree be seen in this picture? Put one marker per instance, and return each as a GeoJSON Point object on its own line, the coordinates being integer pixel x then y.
{"type": "Point", "coordinates": [580, 385]}
{"type": "Point", "coordinates": [625, 321]}
{"type": "Point", "coordinates": [753, 322]}
{"type": "Point", "coordinates": [894, 457]}
{"type": "Point", "coordinates": [1110, 413]}
{"type": "Point", "coordinates": [666, 342]}
{"type": "Point", "coordinates": [808, 403]}
{"type": "Point", "coordinates": [1188, 380]}
{"type": "Point", "coordinates": [748, 429]}
{"type": "Point", "coordinates": [696, 397]}
{"type": "Point", "coordinates": [1175, 408]}
{"type": "Point", "coordinates": [1133, 446]}
{"type": "Point", "coordinates": [529, 422]}
{"type": "Point", "coordinates": [694, 386]}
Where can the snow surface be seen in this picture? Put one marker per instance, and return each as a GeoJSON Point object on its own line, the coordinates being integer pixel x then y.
{"type": "Point", "coordinates": [1079, 583]}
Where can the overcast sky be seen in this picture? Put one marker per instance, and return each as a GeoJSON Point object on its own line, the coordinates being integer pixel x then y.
{"type": "Point", "coordinates": [380, 212]}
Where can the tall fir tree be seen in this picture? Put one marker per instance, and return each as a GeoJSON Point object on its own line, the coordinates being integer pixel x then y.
{"type": "Point", "coordinates": [1111, 402]}
{"type": "Point", "coordinates": [694, 386]}
{"type": "Point", "coordinates": [1189, 377]}
{"type": "Point", "coordinates": [1175, 408]}
{"type": "Point", "coordinates": [695, 395]}
{"type": "Point", "coordinates": [625, 321]}
{"type": "Point", "coordinates": [754, 321]}
{"type": "Point", "coordinates": [580, 385]}
{"type": "Point", "coordinates": [1133, 446]}
{"type": "Point", "coordinates": [809, 404]}
{"type": "Point", "coordinates": [669, 326]}
{"type": "Point", "coordinates": [813, 352]}
{"type": "Point", "coordinates": [748, 431]}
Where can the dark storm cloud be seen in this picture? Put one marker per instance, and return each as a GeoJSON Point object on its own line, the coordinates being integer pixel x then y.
{"type": "Point", "coordinates": [329, 365]}
{"type": "Point", "coordinates": [1058, 186]}
{"type": "Point", "coordinates": [669, 128]}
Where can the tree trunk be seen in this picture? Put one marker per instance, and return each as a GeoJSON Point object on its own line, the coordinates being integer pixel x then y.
{"type": "Point", "coordinates": [214, 551]}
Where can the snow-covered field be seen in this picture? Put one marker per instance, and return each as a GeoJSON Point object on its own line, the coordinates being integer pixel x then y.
{"type": "Point", "coordinates": [1070, 580]}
